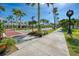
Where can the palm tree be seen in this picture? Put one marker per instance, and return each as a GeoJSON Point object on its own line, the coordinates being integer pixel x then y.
{"type": "Point", "coordinates": [31, 24]}
{"type": "Point", "coordinates": [51, 25]}
{"type": "Point", "coordinates": [57, 19]}
{"type": "Point", "coordinates": [48, 4]}
{"type": "Point", "coordinates": [32, 21]}
{"type": "Point", "coordinates": [1, 23]}
{"type": "Point", "coordinates": [2, 8]}
{"type": "Point", "coordinates": [10, 20]}
{"type": "Point", "coordinates": [1, 29]}
{"type": "Point", "coordinates": [76, 23]}
{"type": "Point", "coordinates": [73, 22]}
{"type": "Point", "coordinates": [38, 4]}
{"type": "Point", "coordinates": [19, 14]}
{"type": "Point", "coordinates": [26, 24]}
{"type": "Point", "coordinates": [16, 12]}
{"type": "Point", "coordinates": [55, 13]}
{"type": "Point", "coordinates": [44, 21]}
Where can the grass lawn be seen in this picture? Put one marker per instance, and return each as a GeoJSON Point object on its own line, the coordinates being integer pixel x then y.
{"type": "Point", "coordinates": [44, 31]}
{"type": "Point", "coordinates": [48, 31]}
{"type": "Point", "coordinates": [73, 43]}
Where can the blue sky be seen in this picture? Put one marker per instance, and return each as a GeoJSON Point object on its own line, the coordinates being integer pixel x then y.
{"type": "Point", "coordinates": [32, 11]}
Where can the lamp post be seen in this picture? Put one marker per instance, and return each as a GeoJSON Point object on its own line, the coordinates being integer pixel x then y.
{"type": "Point", "coordinates": [69, 14]}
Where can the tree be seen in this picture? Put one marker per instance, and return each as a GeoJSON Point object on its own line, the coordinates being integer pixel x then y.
{"type": "Point", "coordinates": [55, 13]}
{"type": "Point", "coordinates": [44, 21]}
{"type": "Point", "coordinates": [51, 25]}
{"type": "Point", "coordinates": [10, 20]}
{"type": "Point", "coordinates": [2, 8]}
{"type": "Point", "coordinates": [38, 4]}
{"type": "Point", "coordinates": [57, 21]}
{"type": "Point", "coordinates": [76, 23]}
{"type": "Point", "coordinates": [1, 23]}
{"type": "Point", "coordinates": [19, 14]}
{"type": "Point", "coordinates": [2, 27]}
{"type": "Point", "coordinates": [73, 22]}
{"type": "Point", "coordinates": [31, 24]}
{"type": "Point", "coordinates": [64, 23]}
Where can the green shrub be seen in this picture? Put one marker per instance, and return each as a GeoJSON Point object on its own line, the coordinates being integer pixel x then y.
{"type": "Point", "coordinates": [65, 29]}
{"type": "Point", "coordinates": [45, 32]}
{"type": "Point", "coordinates": [2, 47]}
{"type": "Point", "coordinates": [9, 42]}
{"type": "Point", "coordinates": [35, 33]}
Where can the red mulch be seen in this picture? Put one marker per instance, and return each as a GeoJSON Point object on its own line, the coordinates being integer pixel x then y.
{"type": "Point", "coordinates": [11, 32]}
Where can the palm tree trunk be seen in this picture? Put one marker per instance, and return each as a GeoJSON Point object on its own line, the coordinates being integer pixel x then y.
{"type": "Point", "coordinates": [11, 24]}
{"type": "Point", "coordinates": [73, 26]}
{"type": "Point", "coordinates": [54, 18]}
{"type": "Point", "coordinates": [17, 22]}
{"type": "Point", "coordinates": [39, 17]}
{"type": "Point", "coordinates": [20, 22]}
{"type": "Point", "coordinates": [7, 24]}
{"type": "Point", "coordinates": [54, 21]}
{"type": "Point", "coordinates": [1, 36]}
{"type": "Point", "coordinates": [32, 27]}
{"type": "Point", "coordinates": [43, 22]}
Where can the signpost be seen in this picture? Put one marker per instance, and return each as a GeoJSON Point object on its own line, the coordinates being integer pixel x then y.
{"type": "Point", "coordinates": [69, 14]}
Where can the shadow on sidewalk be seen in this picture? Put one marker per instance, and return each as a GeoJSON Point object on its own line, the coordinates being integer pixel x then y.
{"type": "Point", "coordinates": [22, 38]}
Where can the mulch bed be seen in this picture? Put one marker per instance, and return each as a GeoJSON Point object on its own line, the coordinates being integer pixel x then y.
{"type": "Point", "coordinates": [10, 32]}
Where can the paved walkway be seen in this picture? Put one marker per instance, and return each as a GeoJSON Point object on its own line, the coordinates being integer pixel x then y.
{"type": "Point", "coordinates": [53, 44]}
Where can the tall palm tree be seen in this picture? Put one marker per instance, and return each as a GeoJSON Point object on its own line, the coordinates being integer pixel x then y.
{"type": "Point", "coordinates": [38, 4]}
{"type": "Point", "coordinates": [19, 14]}
{"type": "Point", "coordinates": [55, 13]}
{"type": "Point", "coordinates": [32, 22]}
{"type": "Point", "coordinates": [57, 21]}
{"type": "Point", "coordinates": [16, 12]}
{"type": "Point", "coordinates": [1, 23]}
{"type": "Point", "coordinates": [10, 20]}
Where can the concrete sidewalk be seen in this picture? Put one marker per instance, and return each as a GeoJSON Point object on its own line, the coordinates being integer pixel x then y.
{"type": "Point", "coordinates": [53, 44]}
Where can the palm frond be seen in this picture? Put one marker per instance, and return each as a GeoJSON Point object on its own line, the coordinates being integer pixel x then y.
{"type": "Point", "coordinates": [27, 3]}
{"type": "Point", "coordinates": [32, 4]}
{"type": "Point", "coordinates": [2, 8]}
{"type": "Point", "coordinates": [48, 4]}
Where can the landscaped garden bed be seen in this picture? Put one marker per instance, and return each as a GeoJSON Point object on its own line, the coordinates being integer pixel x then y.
{"type": "Point", "coordinates": [73, 42]}
{"type": "Point", "coordinates": [44, 32]}
{"type": "Point", "coordinates": [7, 46]}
